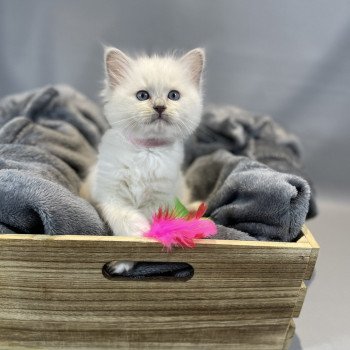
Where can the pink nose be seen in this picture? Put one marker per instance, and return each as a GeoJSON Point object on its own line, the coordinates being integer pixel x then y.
{"type": "Point", "coordinates": [159, 109]}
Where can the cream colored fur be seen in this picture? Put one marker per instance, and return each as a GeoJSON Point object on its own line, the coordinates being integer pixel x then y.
{"type": "Point", "coordinates": [139, 163]}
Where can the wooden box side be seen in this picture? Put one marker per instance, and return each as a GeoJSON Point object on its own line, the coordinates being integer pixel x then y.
{"type": "Point", "coordinates": [53, 294]}
{"type": "Point", "coordinates": [314, 252]}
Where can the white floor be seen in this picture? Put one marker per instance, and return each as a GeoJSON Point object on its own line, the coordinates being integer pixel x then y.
{"type": "Point", "coordinates": [324, 323]}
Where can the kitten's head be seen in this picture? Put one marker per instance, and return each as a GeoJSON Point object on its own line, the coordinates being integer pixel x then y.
{"type": "Point", "coordinates": [155, 97]}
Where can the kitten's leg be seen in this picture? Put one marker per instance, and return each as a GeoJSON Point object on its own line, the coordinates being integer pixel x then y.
{"type": "Point", "coordinates": [85, 188]}
{"type": "Point", "coordinates": [117, 268]}
{"type": "Point", "coordinates": [182, 190]}
{"type": "Point", "coordinates": [184, 194]}
{"type": "Point", "coordinates": [123, 221]}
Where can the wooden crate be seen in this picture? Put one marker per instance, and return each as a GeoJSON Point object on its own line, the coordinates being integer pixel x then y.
{"type": "Point", "coordinates": [243, 295]}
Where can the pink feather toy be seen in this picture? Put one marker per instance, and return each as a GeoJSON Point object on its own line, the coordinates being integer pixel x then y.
{"type": "Point", "coordinates": [179, 227]}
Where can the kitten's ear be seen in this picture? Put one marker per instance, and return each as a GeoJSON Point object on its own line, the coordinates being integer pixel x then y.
{"type": "Point", "coordinates": [195, 59]}
{"type": "Point", "coordinates": [116, 66]}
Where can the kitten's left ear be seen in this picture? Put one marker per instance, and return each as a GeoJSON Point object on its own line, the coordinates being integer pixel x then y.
{"type": "Point", "coordinates": [195, 59]}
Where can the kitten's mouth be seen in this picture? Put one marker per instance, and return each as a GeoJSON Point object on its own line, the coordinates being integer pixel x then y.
{"type": "Point", "coordinates": [160, 119]}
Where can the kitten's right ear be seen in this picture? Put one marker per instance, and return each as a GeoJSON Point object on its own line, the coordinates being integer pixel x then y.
{"type": "Point", "coordinates": [194, 59]}
{"type": "Point", "coordinates": [117, 64]}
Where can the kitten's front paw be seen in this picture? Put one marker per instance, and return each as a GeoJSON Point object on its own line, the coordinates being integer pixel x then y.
{"type": "Point", "coordinates": [133, 225]}
{"type": "Point", "coordinates": [118, 268]}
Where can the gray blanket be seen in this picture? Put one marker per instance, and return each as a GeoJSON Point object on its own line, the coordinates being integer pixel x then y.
{"type": "Point", "coordinates": [246, 167]}
{"type": "Point", "coordinates": [48, 139]}
{"type": "Point", "coordinates": [254, 180]}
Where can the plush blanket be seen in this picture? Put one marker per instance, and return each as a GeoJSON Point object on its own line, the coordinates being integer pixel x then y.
{"type": "Point", "coordinates": [254, 179]}
{"type": "Point", "coordinates": [245, 166]}
{"type": "Point", "coordinates": [48, 139]}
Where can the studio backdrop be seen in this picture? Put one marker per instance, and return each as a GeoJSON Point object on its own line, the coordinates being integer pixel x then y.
{"type": "Point", "coordinates": [289, 59]}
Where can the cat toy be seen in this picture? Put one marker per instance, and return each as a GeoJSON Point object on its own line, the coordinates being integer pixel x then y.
{"type": "Point", "coordinates": [179, 227]}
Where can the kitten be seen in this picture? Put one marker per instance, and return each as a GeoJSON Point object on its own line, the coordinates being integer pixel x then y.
{"type": "Point", "coordinates": [152, 105]}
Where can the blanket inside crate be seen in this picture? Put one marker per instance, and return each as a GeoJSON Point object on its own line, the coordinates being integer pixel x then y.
{"type": "Point", "coordinates": [254, 181]}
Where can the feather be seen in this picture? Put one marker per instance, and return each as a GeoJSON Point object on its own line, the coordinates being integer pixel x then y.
{"type": "Point", "coordinates": [178, 227]}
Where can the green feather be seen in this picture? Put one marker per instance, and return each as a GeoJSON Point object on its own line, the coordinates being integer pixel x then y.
{"type": "Point", "coordinates": [180, 210]}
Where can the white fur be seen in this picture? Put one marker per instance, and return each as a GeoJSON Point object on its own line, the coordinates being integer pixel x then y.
{"type": "Point", "coordinates": [131, 181]}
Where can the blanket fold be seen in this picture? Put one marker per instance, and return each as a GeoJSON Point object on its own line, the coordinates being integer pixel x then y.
{"type": "Point", "coordinates": [249, 196]}
{"type": "Point", "coordinates": [47, 142]}
{"type": "Point", "coordinates": [256, 137]}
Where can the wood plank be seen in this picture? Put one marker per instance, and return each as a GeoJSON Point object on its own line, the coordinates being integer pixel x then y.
{"type": "Point", "coordinates": [300, 301]}
{"type": "Point", "coordinates": [147, 241]}
{"type": "Point", "coordinates": [314, 252]}
{"type": "Point", "coordinates": [289, 335]}
{"type": "Point", "coordinates": [53, 294]}
{"type": "Point", "coordinates": [302, 239]}
{"type": "Point", "coordinates": [264, 335]}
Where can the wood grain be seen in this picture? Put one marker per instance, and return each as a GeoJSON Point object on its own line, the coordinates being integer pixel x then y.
{"type": "Point", "coordinates": [314, 252]}
{"type": "Point", "coordinates": [289, 335]}
{"type": "Point", "coordinates": [53, 294]}
{"type": "Point", "coordinates": [300, 301]}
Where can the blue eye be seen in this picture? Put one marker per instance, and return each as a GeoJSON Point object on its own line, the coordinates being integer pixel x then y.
{"type": "Point", "coordinates": [173, 95]}
{"type": "Point", "coordinates": [142, 95]}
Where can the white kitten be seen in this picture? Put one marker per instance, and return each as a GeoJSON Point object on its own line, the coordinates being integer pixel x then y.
{"type": "Point", "coordinates": [152, 104]}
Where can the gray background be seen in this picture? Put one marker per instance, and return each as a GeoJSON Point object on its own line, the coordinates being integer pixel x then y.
{"type": "Point", "coordinates": [289, 59]}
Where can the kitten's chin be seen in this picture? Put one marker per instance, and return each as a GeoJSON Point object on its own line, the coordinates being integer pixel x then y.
{"type": "Point", "coordinates": [156, 133]}
{"type": "Point", "coordinates": [167, 129]}
{"type": "Point", "coordinates": [157, 130]}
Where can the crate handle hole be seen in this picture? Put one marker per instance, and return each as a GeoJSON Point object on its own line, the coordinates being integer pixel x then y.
{"type": "Point", "coordinates": [149, 271]}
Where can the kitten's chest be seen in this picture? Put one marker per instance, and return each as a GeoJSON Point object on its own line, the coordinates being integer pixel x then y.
{"type": "Point", "coordinates": [151, 178]}
{"type": "Point", "coordinates": [143, 177]}
{"type": "Point", "coordinates": [150, 170]}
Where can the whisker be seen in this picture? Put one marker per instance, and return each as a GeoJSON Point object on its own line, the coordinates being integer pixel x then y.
{"type": "Point", "coordinates": [121, 121]}
{"type": "Point", "coordinates": [188, 130]}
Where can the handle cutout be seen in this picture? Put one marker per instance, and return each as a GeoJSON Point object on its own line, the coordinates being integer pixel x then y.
{"type": "Point", "coordinates": [147, 271]}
